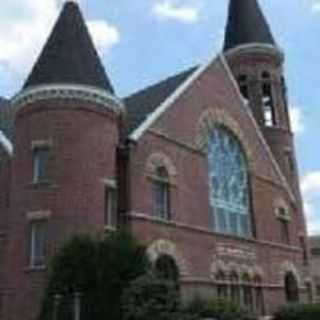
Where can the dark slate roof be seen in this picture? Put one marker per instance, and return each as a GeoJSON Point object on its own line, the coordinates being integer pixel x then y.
{"type": "Point", "coordinates": [246, 24]}
{"type": "Point", "coordinates": [69, 55]}
{"type": "Point", "coordinates": [141, 104]}
{"type": "Point", "coordinates": [7, 114]}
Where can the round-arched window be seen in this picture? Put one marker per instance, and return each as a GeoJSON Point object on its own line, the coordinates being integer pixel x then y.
{"type": "Point", "coordinates": [291, 288]}
{"type": "Point", "coordinates": [229, 187]}
{"type": "Point", "coordinates": [166, 268]}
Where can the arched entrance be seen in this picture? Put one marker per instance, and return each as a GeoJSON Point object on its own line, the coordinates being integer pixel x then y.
{"type": "Point", "coordinates": [166, 268]}
{"type": "Point", "coordinates": [291, 288]}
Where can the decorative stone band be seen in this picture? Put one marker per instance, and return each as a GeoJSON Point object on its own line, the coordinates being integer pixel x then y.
{"type": "Point", "coordinates": [257, 48]}
{"type": "Point", "coordinates": [38, 215]}
{"type": "Point", "coordinates": [67, 91]}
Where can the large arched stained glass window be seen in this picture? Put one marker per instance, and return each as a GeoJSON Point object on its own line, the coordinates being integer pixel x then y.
{"type": "Point", "coordinates": [229, 187]}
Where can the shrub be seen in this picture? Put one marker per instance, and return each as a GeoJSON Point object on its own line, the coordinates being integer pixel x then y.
{"type": "Point", "coordinates": [216, 309]}
{"type": "Point", "coordinates": [150, 297]}
{"type": "Point", "coordinates": [298, 312]}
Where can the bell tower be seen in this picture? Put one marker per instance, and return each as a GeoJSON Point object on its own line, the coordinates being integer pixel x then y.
{"type": "Point", "coordinates": [257, 64]}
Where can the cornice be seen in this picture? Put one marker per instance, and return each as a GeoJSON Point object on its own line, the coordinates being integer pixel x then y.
{"type": "Point", "coordinates": [256, 48]}
{"type": "Point", "coordinates": [68, 91]}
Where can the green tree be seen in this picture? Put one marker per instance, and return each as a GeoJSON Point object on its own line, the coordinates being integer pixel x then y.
{"type": "Point", "coordinates": [99, 269]}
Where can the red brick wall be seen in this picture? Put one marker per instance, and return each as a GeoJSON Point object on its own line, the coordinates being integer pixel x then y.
{"type": "Point", "coordinates": [174, 134]}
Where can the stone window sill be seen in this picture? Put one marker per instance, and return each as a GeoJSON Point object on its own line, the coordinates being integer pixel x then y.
{"type": "Point", "coordinates": [110, 228]}
{"type": "Point", "coordinates": [35, 269]}
{"type": "Point", "coordinates": [42, 184]}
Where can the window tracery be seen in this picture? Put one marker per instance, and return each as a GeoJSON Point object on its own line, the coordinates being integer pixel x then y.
{"type": "Point", "coordinates": [229, 185]}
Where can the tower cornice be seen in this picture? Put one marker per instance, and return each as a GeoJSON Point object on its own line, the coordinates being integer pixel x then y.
{"type": "Point", "coordinates": [256, 48]}
{"type": "Point", "coordinates": [68, 91]}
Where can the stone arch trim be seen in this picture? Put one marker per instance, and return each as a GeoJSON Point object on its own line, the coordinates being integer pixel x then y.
{"type": "Point", "coordinates": [162, 246]}
{"type": "Point", "coordinates": [160, 159]}
{"type": "Point", "coordinates": [233, 267]}
{"type": "Point", "coordinates": [287, 267]}
{"type": "Point", "coordinates": [216, 116]}
{"type": "Point", "coordinates": [258, 272]}
{"type": "Point", "coordinates": [216, 266]}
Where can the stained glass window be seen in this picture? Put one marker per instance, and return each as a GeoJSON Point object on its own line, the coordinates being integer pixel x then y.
{"type": "Point", "coordinates": [229, 188]}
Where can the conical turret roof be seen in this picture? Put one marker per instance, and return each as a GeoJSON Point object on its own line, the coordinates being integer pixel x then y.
{"type": "Point", "coordinates": [246, 24]}
{"type": "Point", "coordinates": [69, 56]}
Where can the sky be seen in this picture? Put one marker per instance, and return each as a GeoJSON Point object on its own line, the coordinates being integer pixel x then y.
{"type": "Point", "coordinates": [144, 41]}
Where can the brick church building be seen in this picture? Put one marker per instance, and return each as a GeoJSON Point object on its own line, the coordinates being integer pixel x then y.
{"type": "Point", "coordinates": [201, 167]}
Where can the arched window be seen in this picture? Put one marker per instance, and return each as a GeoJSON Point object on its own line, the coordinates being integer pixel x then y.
{"type": "Point", "coordinates": [267, 100]}
{"type": "Point", "coordinates": [229, 185]}
{"type": "Point", "coordinates": [162, 194]}
{"type": "Point", "coordinates": [222, 287]}
{"type": "Point", "coordinates": [247, 292]}
{"type": "Point", "coordinates": [166, 268]}
{"type": "Point", "coordinates": [235, 288]}
{"type": "Point", "coordinates": [259, 296]}
{"type": "Point", "coordinates": [291, 288]}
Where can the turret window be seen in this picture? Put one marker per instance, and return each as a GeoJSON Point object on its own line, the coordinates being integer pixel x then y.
{"type": "Point", "coordinates": [110, 206]}
{"type": "Point", "coordinates": [267, 101]}
{"type": "Point", "coordinates": [40, 164]}
{"type": "Point", "coordinates": [38, 243]}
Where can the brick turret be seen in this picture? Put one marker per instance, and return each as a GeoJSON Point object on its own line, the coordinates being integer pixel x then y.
{"type": "Point", "coordinates": [67, 132]}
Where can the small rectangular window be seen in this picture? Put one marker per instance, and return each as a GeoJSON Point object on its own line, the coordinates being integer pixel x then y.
{"type": "Point", "coordinates": [40, 164]}
{"type": "Point", "coordinates": [110, 209]}
{"type": "Point", "coordinates": [284, 229]}
{"type": "Point", "coordinates": [289, 161]}
{"type": "Point", "coordinates": [304, 249]}
{"type": "Point", "coordinates": [162, 205]}
{"type": "Point", "coordinates": [38, 243]}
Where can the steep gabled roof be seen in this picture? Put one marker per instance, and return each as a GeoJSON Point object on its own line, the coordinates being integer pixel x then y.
{"type": "Point", "coordinates": [246, 24]}
{"type": "Point", "coordinates": [141, 104]}
{"type": "Point", "coordinates": [69, 55]}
